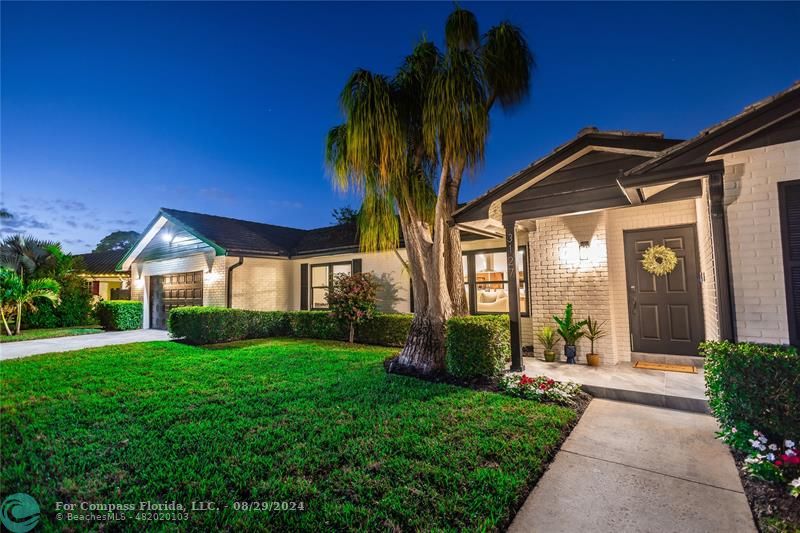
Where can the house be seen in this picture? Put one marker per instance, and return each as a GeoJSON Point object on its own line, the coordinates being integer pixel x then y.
{"type": "Point", "coordinates": [577, 221]}
{"type": "Point", "coordinates": [727, 202]}
{"type": "Point", "coordinates": [105, 282]}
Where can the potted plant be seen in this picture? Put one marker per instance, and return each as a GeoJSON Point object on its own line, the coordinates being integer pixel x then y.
{"type": "Point", "coordinates": [594, 331]}
{"type": "Point", "coordinates": [547, 338]}
{"type": "Point", "coordinates": [570, 331]}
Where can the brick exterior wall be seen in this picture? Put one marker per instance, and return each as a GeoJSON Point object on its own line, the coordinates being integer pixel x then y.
{"type": "Point", "coordinates": [263, 284]}
{"type": "Point", "coordinates": [756, 257]}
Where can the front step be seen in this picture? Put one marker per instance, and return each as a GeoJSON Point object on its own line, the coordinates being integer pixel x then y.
{"type": "Point", "coordinates": [668, 359]}
{"type": "Point", "coordinates": [679, 403]}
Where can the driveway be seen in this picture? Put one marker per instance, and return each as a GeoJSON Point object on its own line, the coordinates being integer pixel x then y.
{"type": "Point", "coordinates": [628, 467]}
{"type": "Point", "coordinates": [16, 350]}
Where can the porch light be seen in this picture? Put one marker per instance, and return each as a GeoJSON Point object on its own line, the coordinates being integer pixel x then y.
{"type": "Point", "coordinates": [583, 251]}
{"type": "Point", "coordinates": [167, 237]}
{"type": "Point", "coordinates": [138, 283]}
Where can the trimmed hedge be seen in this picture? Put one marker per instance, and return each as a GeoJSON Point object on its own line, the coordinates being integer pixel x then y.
{"type": "Point", "coordinates": [478, 345]}
{"type": "Point", "coordinates": [119, 315]}
{"type": "Point", "coordinates": [754, 383]}
{"type": "Point", "coordinates": [210, 325]}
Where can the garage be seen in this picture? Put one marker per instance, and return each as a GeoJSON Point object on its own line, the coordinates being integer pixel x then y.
{"type": "Point", "coordinates": [173, 290]}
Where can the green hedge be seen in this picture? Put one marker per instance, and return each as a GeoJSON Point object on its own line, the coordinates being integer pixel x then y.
{"type": "Point", "coordinates": [119, 315]}
{"type": "Point", "coordinates": [754, 383]}
{"type": "Point", "coordinates": [478, 345]}
{"type": "Point", "coordinates": [208, 325]}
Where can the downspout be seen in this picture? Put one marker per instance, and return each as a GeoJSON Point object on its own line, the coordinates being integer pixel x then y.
{"type": "Point", "coordinates": [719, 237]}
{"type": "Point", "coordinates": [229, 284]}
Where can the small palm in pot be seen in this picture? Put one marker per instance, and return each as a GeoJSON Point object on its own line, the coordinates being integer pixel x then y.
{"type": "Point", "coordinates": [570, 331]}
{"type": "Point", "coordinates": [547, 338]}
{"type": "Point", "coordinates": [594, 331]}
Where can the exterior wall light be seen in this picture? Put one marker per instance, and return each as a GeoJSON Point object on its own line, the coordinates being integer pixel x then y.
{"type": "Point", "coordinates": [583, 251]}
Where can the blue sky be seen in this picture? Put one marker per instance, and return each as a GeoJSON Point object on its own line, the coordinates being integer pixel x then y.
{"type": "Point", "coordinates": [111, 110]}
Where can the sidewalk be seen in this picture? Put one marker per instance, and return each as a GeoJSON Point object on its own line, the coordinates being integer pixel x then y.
{"type": "Point", "coordinates": [629, 467]}
{"type": "Point", "coordinates": [15, 350]}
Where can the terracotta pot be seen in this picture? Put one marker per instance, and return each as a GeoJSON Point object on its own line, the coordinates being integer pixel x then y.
{"type": "Point", "coordinates": [549, 356]}
{"type": "Point", "coordinates": [593, 359]}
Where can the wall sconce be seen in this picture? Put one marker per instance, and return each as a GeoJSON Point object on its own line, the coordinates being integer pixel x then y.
{"type": "Point", "coordinates": [138, 283]}
{"type": "Point", "coordinates": [583, 251]}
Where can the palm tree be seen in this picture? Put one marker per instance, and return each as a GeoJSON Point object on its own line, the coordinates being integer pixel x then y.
{"type": "Point", "coordinates": [405, 145]}
{"type": "Point", "coordinates": [24, 254]}
{"type": "Point", "coordinates": [22, 295]}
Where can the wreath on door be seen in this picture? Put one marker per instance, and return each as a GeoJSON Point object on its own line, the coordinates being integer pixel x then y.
{"type": "Point", "coordinates": [659, 260]}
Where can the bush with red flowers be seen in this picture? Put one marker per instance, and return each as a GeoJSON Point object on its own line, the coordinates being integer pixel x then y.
{"type": "Point", "coordinates": [540, 388]}
{"type": "Point", "coordinates": [353, 299]}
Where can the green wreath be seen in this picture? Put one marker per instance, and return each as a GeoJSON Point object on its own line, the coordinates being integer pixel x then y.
{"type": "Point", "coordinates": [659, 260]}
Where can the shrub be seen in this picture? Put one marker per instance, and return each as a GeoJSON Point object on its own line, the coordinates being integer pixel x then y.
{"type": "Point", "coordinates": [540, 388]}
{"type": "Point", "coordinates": [352, 300]}
{"type": "Point", "coordinates": [120, 315]}
{"type": "Point", "coordinates": [385, 329]}
{"type": "Point", "coordinates": [316, 325]}
{"type": "Point", "coordinates": [754, 383]}
{"type": "Point", "coordinates": [477, 345]}
{"type": "Point", "coordinates": [209, 325]}
{"type": "Point", "coordinates": [75, 308]}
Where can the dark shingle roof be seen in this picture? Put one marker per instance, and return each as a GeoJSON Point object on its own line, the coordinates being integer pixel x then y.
{"type": "Point", "coordinates": [102, 262]}
{"type": "Point", "coordinates": [244, 236]}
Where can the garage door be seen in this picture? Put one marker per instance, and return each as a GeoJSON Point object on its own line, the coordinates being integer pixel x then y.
{"type": "Point", "coordinates": [173, 290]}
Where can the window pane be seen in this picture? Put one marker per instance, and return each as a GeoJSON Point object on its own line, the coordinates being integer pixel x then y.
{"type": "Point", "coordinates": [523, 304]}
{"type": "Point", "coordinates": [319, 276]}
{"type": "Point", "coordinates": [469, 302]}
{"type": "Point", "coordinates": [341, 269]}
{"type": "Point", "coordinates": [492, 298]}
{"type": "Point", "coordinates": [490, 267]}
{"type": "Point", "coordinates": [464, 267]}
{"type": "Point", "coordinates": [319, 298]}
{"type": "Point", "coordinates": [521, 265]}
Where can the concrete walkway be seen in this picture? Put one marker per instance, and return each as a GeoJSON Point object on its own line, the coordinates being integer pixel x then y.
{"type": "Point", "coordinates": [16, 350]}
{"type": "Point", "coordinates": [629, 467]}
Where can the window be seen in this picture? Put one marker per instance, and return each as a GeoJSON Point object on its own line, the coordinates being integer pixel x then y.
{"type": "Point", "coordinates": [486, 281]}
{"type": "Point", "coordinates": [321, 280]}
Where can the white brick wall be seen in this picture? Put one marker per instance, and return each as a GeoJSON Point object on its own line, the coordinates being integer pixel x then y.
{"type": "Point", "coordinates": [262, 284]}
{"type": "Point", "coordinates": [756, 257]}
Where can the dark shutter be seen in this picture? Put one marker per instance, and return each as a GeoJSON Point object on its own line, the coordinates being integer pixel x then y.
{"type": "Point", "coordinates": [304, 287]}
{"type": "Point", "coordinates": [789, 199]}
{"type": "Point", "coordinates": [356, 266]}
{"type": "Point", "coordinates": [95, 288]}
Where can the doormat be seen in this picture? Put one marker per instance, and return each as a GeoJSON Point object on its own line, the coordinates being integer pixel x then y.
{"type": "Point", "coordinates": [688, 369]}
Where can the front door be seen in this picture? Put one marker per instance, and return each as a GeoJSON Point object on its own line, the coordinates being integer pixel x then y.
{"type": "Point", "coordinates": [666, 312]}
{"type": "Point", "coordinates": [173, 290]}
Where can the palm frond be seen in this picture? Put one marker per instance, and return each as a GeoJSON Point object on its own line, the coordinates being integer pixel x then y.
{"type": "Point", "coordinates": [378, 226]}
{"type": "Point", "coordinates": [508, 64]}
{"type": "Point", "coordinates": [461, 30]}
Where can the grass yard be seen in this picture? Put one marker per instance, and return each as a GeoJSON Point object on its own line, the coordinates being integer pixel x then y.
{"type": "Point", "coordinates": [275, 420]}
{"type": "Point", "coordinates": [49, 333]}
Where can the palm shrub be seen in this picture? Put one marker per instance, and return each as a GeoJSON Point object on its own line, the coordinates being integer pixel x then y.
{"type": "Point", "coordinates": [352, 299]}
{"type": "Point", "coordinates": [18, 295]}
{"type": "Point", "coordinates": [547, 338]}
{"type": "Point", "coordinates": [594, 330]}
{"type": "Point", "coordinates": [570, 330]}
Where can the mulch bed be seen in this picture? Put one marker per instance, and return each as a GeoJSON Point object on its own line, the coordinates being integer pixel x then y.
{"type": "Point", "coordinates": [774, 509]}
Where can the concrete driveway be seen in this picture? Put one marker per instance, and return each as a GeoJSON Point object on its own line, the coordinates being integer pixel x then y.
{"type": "Point", "coordinates": [16, 350]}
{"type": "Point", "coordinates": [628, 467]}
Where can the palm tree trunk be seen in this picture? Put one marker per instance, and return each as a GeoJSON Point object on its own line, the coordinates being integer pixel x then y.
{"type": "Point", "coordinates": [5, 322]}
{"type": "Point", "coordinates": [19, 318]}
{"type": "Point", "coordinates": [454, 268]}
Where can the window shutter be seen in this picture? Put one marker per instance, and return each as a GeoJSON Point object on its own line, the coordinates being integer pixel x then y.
{"type": "Point", "coordinates": [304, 287]}
{"type": "Point", "coordinates": [789, 200]}
{"type": "Point", "coordinates": [95, 288]}
{"type": "Point", "coordinates": [356, 269]}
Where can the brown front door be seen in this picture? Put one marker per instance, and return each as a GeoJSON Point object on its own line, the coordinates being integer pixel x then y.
{"type": "Point", "coordinates": [173, 290]}
{"type": "Point", "coordinates": [666, 312]}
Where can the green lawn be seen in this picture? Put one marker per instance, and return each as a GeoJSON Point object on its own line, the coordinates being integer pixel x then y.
{"type": "Point", "coordinates": [48, 333]}
{"type": "Point", "coordinates": [279, 420]}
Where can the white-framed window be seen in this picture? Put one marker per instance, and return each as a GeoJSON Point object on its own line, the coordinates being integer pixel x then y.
{"type": "Point", "coordinates": [322, 279]}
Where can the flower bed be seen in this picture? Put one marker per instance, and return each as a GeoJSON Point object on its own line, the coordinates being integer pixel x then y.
{"type": "Point", "coordinates": [540, 388]}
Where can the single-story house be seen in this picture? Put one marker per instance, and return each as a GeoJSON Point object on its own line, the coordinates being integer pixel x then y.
{"type": "Point", "coordinates": [99, 269]}
{"type": "Point", "coordinates": [726, 202]}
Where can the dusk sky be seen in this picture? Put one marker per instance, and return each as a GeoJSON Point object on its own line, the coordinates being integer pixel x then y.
{"type": "Point", "coordinates": [112, 110]}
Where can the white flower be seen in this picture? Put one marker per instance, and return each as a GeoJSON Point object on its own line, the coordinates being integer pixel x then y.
{"type": "Point", "coordinates": [770, 457]}
{"type": "Point", "coordinates": [773, 447]}
{"type": "Point", "coordinates": [791, 453]}
{"type": "Point", "coordinates": [754, 443]}
{"type": "Point", "coordinates": [788, 443]}
{"type": "Point", "coordinates": [756, 433]}
{"type": "Point", "coordinates": [763, 439]}
{"type": "Point", "coordinates": [734, 430]}
{"type": "Point", "coordinates": [796, 482]}
{"type": "Point", "coordinates": [752, 460]}
{"type": "Point", "coordinates": [762, 447]}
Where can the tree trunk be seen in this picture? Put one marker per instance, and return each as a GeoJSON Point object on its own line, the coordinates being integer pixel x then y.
{"type": "Point", "coordinates": [19, 318]}
{"type": "Point", "coordinates": [352, 333]}
{"type": "Point", "coordinates": [424, 350]}
{"type": "Point", "coordinates": [5, 322]}
{"type": "Point", "coordinates": [455, 269]}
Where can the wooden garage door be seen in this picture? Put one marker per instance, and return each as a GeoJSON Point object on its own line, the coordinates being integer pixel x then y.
{"type": "Point", "coordinates": [174, 290]}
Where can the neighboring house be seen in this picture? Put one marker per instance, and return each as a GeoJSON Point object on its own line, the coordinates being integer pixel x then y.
{"type": "Point", "coordinates": [727, 202]}
{"type": "Point", "coordinates": [104, 280]}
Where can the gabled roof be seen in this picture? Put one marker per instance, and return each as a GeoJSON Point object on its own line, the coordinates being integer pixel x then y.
{"type": "Point", "coordinates": [588, 139]}
{"type": "Point", "coordinates": [752, 120]}
{"type": "Point", "coordinates": [102, 262]}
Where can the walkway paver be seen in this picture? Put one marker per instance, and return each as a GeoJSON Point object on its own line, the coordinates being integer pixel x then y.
{"type": "Point", "coordinates": [16, 350]}
{"type": "Point", "coordinates": [629, 467]}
